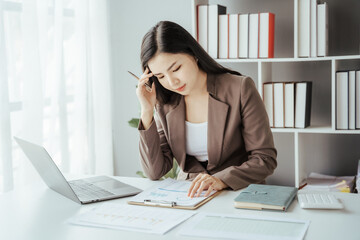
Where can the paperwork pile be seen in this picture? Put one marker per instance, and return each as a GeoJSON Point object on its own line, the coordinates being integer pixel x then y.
{"type": "Point", "coordinates": [328, 183]}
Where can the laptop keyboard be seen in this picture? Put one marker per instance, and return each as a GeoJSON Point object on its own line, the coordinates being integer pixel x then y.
{"type": "Point", "coordinates": [87, 191]}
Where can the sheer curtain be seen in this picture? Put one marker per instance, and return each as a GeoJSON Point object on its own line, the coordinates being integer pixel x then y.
{"type": "Point", "coordinates": [55, 86]}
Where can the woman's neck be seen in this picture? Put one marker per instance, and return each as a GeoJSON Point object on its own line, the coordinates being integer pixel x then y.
{"type": "Point", "coordinates": [200, 88]}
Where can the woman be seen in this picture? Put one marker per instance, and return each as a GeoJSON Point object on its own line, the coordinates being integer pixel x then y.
{"type": "Point", "coordinates": [209, 118]}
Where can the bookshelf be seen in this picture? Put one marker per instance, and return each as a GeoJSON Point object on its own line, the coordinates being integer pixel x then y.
{"type": "Point", "coordinates": [320, 147]}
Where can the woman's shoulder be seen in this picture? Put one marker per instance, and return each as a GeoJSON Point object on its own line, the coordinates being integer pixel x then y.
{"type": "Point", "coordinates": [230, 83]}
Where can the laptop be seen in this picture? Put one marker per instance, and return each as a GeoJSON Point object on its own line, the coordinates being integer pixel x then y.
{"type": "Point", "coordinates": [82, 191]}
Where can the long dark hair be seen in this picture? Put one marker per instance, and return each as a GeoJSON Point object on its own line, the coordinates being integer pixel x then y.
{"type": "Point", "coordinates": [169, 37]}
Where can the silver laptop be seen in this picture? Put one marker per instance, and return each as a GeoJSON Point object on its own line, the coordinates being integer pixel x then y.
{"type": "Point", "coordinates": [82, 191]}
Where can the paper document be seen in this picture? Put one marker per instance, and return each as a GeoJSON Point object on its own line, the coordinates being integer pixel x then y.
{"type": "Point", "coordinates": [169, 192]}
{"type": "Point", "coordinates": [132, 218]}
{"type": "Point", "coordinates": [321, 182]}
{"type": "Point", "coordinates": [236, 226]}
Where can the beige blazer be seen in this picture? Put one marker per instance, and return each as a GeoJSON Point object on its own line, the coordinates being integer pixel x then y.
{"type": "Point", "coordinates": [240, 143]}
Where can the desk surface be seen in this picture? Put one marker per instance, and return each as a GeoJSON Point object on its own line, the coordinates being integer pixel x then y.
{"type": "Point", "coordinates": [36, 212]}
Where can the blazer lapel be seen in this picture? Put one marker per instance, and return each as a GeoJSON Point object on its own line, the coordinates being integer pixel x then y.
{"type": "Point", "coordinates": [176, 125]}
{"type": "Point", "coordinates": [217, 115]}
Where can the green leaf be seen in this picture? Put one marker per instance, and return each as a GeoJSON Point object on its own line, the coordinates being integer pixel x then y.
{"type": "Point", "coordinates": [134, 122]}
{"type": "Point", "coordinates": [141, 174]}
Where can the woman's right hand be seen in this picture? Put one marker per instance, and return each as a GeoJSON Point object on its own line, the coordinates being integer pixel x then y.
{"type": "Point", "coordinates": [147, 98]}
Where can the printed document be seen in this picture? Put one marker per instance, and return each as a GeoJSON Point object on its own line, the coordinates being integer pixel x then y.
{"type": "Point", "coordinates": [238, 226]}
{"type": "Point", "coordinates": [170, 190]}
{"type": "Point", "coordinates": [132, 218]}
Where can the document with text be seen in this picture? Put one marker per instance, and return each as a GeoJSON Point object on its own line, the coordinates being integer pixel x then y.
{"type": "Point", "coordinates": [170, 193]}
{"type": "Point", "coordinates": [238, 226]}
{"type": "Point", "coordinates": [132, 218]}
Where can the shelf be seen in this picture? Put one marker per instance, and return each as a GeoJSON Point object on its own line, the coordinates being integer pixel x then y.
{"type": "Point", "coordinates": [270, 60]}
{"type": "Point", "coordinates": [314, 129]}
{"type": "Point", "coordinates": [319, 147]}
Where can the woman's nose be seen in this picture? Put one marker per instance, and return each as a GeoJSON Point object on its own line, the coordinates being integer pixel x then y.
{"type": "Point", "coordinates": [173, 81]}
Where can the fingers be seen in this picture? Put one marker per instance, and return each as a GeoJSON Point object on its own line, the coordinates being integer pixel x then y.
{"type": "Point", "coordinates": [204, 185]}
{"type": "Point", "coordinates": [193, 183]}
{"type": "Point", "coordinates": [205, 182]}
{"type": "Point", "coordinates": [144, 79]}
{"type": "Point", "coordinates": [199, 183]}
{"type": "Point", "coordinates": [210, 189]}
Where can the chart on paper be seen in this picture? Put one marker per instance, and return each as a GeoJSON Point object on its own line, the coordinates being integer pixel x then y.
{"type": "Point", "coordinates": [171, 191]}
{"type": "Point", "coordinates": [132, 218]}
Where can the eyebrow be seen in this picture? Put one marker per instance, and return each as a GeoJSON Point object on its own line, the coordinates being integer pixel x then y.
{"type": "Point", "coordinates": [167, 69]}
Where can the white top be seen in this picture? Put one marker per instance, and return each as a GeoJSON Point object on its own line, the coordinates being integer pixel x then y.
{"type": "Point", "coordinates": [196, 140]}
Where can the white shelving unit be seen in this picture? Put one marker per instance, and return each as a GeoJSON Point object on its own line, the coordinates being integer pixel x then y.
{"type": "Point", "coordinates": [320, 147]}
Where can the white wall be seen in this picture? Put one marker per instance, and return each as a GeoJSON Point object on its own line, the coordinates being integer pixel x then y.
{"type": "Point", "coordinates": [129, 21]}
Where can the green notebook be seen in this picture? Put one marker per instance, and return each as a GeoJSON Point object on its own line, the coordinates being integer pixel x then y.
{"type": "Point", "coordinates": [259, 196]}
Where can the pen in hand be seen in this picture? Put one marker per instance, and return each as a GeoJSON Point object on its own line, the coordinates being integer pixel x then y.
{"type": "Point", "coordinates": [148, 87]}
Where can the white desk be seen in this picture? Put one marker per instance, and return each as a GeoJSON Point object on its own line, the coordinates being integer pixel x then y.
{"type": "Point", "coordinates": [37, 213]}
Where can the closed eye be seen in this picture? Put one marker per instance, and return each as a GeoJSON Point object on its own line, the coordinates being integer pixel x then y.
{"type": "Point", "coordinates": [177, 69]}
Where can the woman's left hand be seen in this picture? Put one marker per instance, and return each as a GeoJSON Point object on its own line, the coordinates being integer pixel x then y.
{"type": "Point", "coordinates": [203, 182]}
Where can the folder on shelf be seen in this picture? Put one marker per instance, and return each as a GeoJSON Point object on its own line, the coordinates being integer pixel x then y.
{"type": "Point", "coordinates": [243, 35]}
{"type": "Point", "coordinates": [342, 100]}
{"type": "Point", "coordinates": [233, 35]}
{"type": "Point", "coordinates": [304, 28]}
{"type": "Point", "coordinates": [202, 26]}
{"type": "Point", "coordinates": [303, 104]}
{"type": "Point", "coordinates": [224, 36]}
{"type": "Point", "coordinates": [289, 101]}
{"type": "Point", "coordinates": [322, 30]}
{"type": "Point", "coordinates": [268, 99]}
{"type": "Point", "coordinates": [170, 193]}
{"type": "Point", "coordinates": [266, 35]}
{"type": "Point", "coordinates": [254, 35]}
{"type": "Point", "coordinates": [279, 104]}
{"type": "Point", "coordinates": [213, 29]}
{"type": "Point", "coordinates": [352, 89]}
{"type": "Point", "coordinates": [313, 28]}
{"type": "Point", "coordinates": [357, 101]}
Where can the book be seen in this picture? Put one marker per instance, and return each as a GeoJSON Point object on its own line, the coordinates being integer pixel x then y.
{"type": "Point", "coordinates": [213, 29]}
{"type": "Point", "coordinates": [322, 30]}
{"type": "Point", "coordinates": [202, 26]}
{"type": "Point", "coordinates": [352, 100]}
{"type": "Point", "coordinates": [170, 193]}
{"type": "Point", "coordinates": [313, 28]}
{"type": "Point", "coordinates": [279, 104]}
{"type": "Point", "coordinates": [271, 197]}
{"type": "Point", "coordinates": [357, 101]}
{"type": "Point", "coordinates": [303, 104]}
{"type": "Point", "coordinates": [254, 35]}
{"type": "Point", "coordinates": [233, 35]}
{"type": "Point", "coordinates": [243, 35]}
{"type": "Point", "coordinates": [342, 100]}
{"type": "Point", "coordinates": [266, 35]}
{"type": "Point", "coordinates": [289, 100]}
{"type": "Point", "coordinates": [224, 36]}
{"type": "Point", "coordinates": [268, 99]}
{"type": "Point", "coordinates": [304, 28]}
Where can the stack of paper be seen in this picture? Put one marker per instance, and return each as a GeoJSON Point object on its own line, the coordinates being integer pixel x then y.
{"type": "Point", "coordinates": [321, 182]}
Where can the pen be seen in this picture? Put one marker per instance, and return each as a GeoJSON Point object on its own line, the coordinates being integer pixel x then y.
{"type": "Point", "coordinates": [160, 203]}
{"type": "Point", "coordinates": [148, 87]}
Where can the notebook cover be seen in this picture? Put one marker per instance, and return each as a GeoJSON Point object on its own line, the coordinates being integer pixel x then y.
{"type": "Point", "coordinates": [267, 194]}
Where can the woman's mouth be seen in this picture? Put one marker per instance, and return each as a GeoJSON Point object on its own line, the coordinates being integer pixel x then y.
{"type": "Point", "coordinates": [180, 89]}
